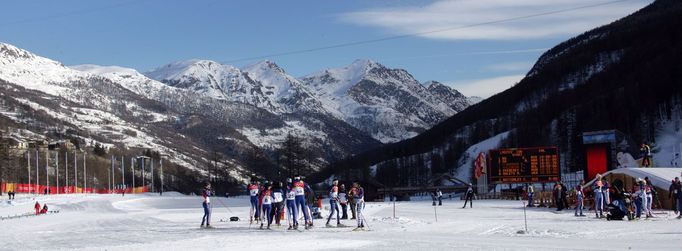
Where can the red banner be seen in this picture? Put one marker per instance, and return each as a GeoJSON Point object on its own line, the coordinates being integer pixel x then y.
{"type": "Point", "coordinates": [32, 188]}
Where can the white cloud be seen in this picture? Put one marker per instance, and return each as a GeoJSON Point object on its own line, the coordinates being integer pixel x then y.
{"type": "Point", "coordinates": [485, 87]}
{"type": "Point", "coordinates": [446, 15]}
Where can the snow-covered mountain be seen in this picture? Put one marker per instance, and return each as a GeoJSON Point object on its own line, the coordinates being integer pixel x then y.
{"type": "Point", "coordinates": [117, 106]}
{"type": "Point", "coordinates": [387, 103]}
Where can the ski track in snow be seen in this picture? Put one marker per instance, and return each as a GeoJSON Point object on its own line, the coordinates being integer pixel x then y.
{"type": "Point", "coordinates": [150, 222]}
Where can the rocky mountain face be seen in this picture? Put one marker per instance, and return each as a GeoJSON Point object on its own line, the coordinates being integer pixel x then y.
{"type": "Point", "coordinates": [387, 103]}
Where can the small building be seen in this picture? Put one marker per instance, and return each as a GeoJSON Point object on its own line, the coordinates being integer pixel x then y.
{"type": "Point", "coordinates": [14, 143]}
{"type": "Point", "coordinates": [60, 144]}
{"type": "Point", "coordinates": [607, 150]}
{"type": "Point", "coordinates": [38, 143]}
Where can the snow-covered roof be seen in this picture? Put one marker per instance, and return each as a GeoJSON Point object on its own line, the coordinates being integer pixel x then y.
{"type": "Point", "coordinates": [659, 176]}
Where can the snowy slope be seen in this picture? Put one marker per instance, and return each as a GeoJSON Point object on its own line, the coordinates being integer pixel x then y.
{"type": "Point", "coordinates": [466, 162]}
{"type": "Point", "coordinates": [97, 105]}
{"type": "Point", "coordinates": [149, 222]}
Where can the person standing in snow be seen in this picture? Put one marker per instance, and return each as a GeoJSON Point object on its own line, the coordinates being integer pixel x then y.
{"type": "Point", "coordinates": [439, 194]}
{"type": "Point", "coordinates": [579, 200]}
{"type": "Point", "coordinates": [598, 197]}
{"type": "Point", "coordinates": [352, 202]}
{"type": "Point", "coordinates": [469, 197]}
{"type": "Point", "coordinates": [266, 204]}
{"type": "Point", "coordinates": [557, 197]}
{"type": "Point", "coordinates": [530, 191]}
{"type": "Point", "coordinates": [564, 195]}
{"type": "Point", "coordinates": [343, 200]}
{"type": "Point", "coordinates": [678, 193]}
{"type": "Point", "coordinates": [359, 197]}
{"type": "Point", "coordinates": [206, 194]}
{"type": "Point", "coordinates": [37, 208]}
{"type": "Point", "coordinates": [300, 190]}
{"type": "Point", "coordinates": [672, 195]}
{"type": "Point", "coordinates": [291, 205]}
{"type": "Point", "coordinates": [333, 205]}
{"type": "Point", "coordinates": [277, 202]}
{"type": "Point", "coordinates": [645, 150]}
{"type": "Point", "coordinates": [648, 188]}
{"type": "Point", "coordinates": [253, 190]}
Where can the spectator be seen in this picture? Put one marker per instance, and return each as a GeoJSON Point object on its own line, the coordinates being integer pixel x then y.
{"type": "Point", "coordinates": [672, 195]}
{"type": "Point", "coordinates": [439, 194]}
{"type": "Point", "coordinates": [530, 190]}
{"type": "Point", "coordinates": [37, 207]}
{"type": "Point", "coordinates": [579, 200]}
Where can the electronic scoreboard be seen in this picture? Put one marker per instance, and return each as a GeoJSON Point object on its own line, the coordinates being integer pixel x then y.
{"type": "Point", "coordinates": [524, 165]}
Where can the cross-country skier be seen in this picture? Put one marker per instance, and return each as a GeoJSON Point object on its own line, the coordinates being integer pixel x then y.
{"type": "Point", "coordinates": [649, 197]}
{"type": "Point", "coordinates": [266, 204]}
{"type": "Point", "coordinates": [333, 205]}
{"type": "Point", "coordinates": [530, 191]}
{"type": "Point", "coordinates": [277, 202]}
{"type": "Point", "coordinates": [579, 200]}
{"type": "Point", "coordinates": [253, 190]}
{"type": "Point", "coordinates": [640, 197]}
{"type": "Point", "coordinates": [598, 197]}
{"type": "Point", "coordinates": [469, 197]}
{"type": "Point", "coordinates": [359, 197]}
{"type": "Point", "coordinates": [291, 205]}
{"type": "Point", "coordinates": [439, 194]}
{"type": "Point", "coordinates": [343, 200]}
{"type": "Point", "coordinates": [300, 189]}
{"type": "Point", "coordinates": [206, 194]}
{"type": "Point", "coordinates": [351, 202]}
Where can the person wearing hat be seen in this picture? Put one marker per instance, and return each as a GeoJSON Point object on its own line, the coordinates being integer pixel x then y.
{"type": "Point", "coordinates": [299, 190]}
{"type": "Point", "coordinates": [291, 205]}
{"type": "Point", "coordinates": [469, 197]}
{"type": "Point", "coordinates": [333, 205]}
{"type": "Point", "coordinates": [253, 190]}
{"type": "Point", "coordinates": [206, 194]}
{"type": "Point", "coordinates": [677, 188]}
{"type": "Point", "coordinates": [266, 204]}
{"type": "Point", "coordinates": [359, 197]}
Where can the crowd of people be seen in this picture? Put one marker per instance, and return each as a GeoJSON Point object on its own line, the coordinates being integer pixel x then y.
{"type": "Point", "coordinates": [612, 201]}
{"type": "Point", "coordinates": [271, 202]}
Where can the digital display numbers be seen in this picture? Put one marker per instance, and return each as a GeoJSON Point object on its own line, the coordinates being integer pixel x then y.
{"type": "Point", "coordinates": [524, 165]}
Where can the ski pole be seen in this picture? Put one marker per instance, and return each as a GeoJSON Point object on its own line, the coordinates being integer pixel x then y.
{"type": "Point", "coordinates": [226, 207]}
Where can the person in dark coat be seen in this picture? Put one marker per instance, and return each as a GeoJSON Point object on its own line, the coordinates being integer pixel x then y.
{"type": "Point", "coordinates": [469, 197]}
{"type": "Point", "coordinates": [564, 195]}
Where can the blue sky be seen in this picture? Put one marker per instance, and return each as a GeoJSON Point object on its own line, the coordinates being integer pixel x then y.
{"type": "Point", "coordinates": [145, 34]}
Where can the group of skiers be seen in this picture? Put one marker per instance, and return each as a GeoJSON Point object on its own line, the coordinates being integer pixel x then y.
{"type": "Point", "coordinates": [271, 200]}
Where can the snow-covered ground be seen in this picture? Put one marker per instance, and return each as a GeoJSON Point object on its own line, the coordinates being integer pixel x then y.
{"type": "Point", "coordinates": [171, 222]}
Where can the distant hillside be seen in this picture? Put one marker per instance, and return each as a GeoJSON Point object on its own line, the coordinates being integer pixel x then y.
{"type": "Point", "coordinates": [625, 75]}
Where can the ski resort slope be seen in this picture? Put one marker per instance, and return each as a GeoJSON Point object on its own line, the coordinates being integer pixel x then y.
{"type": "Point", "coordinates": [171, 222]}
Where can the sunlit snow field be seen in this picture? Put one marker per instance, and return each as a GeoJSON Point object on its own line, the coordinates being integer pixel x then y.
{"type": "Point", "coordinates": [171, 222]}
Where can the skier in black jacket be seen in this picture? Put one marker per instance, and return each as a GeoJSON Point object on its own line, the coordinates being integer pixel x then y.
{"type": "Point", "coordinates": [469, 197]}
